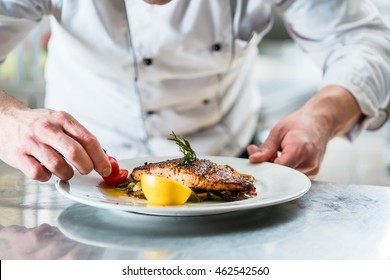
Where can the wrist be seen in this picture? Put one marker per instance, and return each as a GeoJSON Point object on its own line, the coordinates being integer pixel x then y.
{"type": "Point", "coordinates": [9, 103]}
{"type": "Point", "coordinates": [335, 108]}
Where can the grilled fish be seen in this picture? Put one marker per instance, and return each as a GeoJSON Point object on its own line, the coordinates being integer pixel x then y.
{"type": "Point", "coordinates": [200, 175]}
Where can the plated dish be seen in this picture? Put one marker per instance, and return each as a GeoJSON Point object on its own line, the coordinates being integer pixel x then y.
{"type": "Point", "coordinates": [274, 183]}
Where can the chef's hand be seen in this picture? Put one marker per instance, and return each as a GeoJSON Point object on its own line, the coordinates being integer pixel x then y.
{"type": "Point", "coordinates": [41, 142]}
{"type": "Point", "coordinates": [299, 140]}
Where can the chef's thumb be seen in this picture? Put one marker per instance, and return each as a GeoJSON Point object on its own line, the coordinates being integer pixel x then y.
{"type": "Point", "coordinates": [267, 151]}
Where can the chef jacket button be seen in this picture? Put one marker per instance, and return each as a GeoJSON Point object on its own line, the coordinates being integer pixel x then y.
{"type": "Point", "coordinates": [150, 112]}
{"type": "Point", "coordinates": [216, 47]}
{"type": "Point", "coordinates": [206, 101]}
{"type": "Point", "coordinates": [148, 61]}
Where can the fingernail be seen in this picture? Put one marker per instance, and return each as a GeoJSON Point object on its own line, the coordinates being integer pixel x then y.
{"type": "Point", "coordinates": [106, 172]}
{"type": "Point", "coordinates": [255, 155]}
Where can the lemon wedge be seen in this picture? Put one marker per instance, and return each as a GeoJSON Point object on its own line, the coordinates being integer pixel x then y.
{"type": "Point", "coordinates": [162, 191]}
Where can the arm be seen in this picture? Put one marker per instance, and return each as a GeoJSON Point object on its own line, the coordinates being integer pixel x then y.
{"type": "Point", "coordinates": [41, 142]}
{"type": "Point", "coordinates": [17, 19]}
{"type": "Point", "coordinates": [302, 136]}
{"type": "Point", "coordinates": [349, 41]}
{"type": "Point", "coordinates": [351, 44]}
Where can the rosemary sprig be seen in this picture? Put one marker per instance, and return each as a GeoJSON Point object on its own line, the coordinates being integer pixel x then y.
{"type": "Point", "coordinates": [185, 148]}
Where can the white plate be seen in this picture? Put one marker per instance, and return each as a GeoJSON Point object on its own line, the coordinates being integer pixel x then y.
{"type": "Point", "coordinates": [275, 184]}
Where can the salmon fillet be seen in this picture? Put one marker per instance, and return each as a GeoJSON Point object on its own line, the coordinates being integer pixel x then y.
{"type": "Point", "coordinates": [200, 175]}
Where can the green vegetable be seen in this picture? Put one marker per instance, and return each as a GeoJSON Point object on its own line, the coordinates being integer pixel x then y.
{"type": "Point", "coordinates": [214, 196]}
{"type": "Point", "coordinates": [127, 185]}
{"type": "Point", "coordinates": [194, 198]}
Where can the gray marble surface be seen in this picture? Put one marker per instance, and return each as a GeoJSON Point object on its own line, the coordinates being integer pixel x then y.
{"type": "Point", "coordinates": [331, 221]}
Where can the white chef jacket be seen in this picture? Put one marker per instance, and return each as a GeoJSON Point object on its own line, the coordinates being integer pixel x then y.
{"type": "Point", "coordinates": [132, 72]}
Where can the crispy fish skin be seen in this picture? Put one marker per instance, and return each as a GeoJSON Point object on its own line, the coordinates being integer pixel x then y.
{"type": "Point", "coordinates": [201, 174]}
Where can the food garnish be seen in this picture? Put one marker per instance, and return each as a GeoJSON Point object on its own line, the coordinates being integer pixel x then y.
{"type": "Point", "coordinates": [116, 180]}
{"type": "Point", "coordinates": [185, 148]}
{"type": "Point", "coordinates": [117, 175]}
{"type": "Point", "coordinates": [162, 191]}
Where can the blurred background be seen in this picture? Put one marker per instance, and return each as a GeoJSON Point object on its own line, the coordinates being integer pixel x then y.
{"type": "Point", "coordinates": [283, 72]}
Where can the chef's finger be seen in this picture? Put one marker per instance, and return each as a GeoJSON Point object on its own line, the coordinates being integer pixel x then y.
{"type": "Point", "coordinates": [53, 162]}
{"type": "Point", "coordinates": [300, 156]}
{"type": "Point", "coordinates": [91, 145]}
{"type": "Point", "coordinates": [251, 149]}
{"type": "Point", "coordinates": [268, 150]}
{"type": "Point", "coordinates": [310, 168]}
{"type": "Point", "coordinates": [312, 174]}
{"type": "Point", "coordinates": [33, 169]}
{"type": "Point", "coordinates": [69, 148]}
{"type": "Point", "coordinates": [64, 134]}
{"type": "Point", "coordinates": [289, 161]}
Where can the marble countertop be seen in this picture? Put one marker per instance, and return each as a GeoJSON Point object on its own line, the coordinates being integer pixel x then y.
{"type": "Point", "coordinates": [331, 221]}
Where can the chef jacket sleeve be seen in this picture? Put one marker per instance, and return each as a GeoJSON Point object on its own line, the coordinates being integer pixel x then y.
{"type": "Point", "coordinates": [350, 42]}
{"type": "Point", "coordinates": [17, 19]}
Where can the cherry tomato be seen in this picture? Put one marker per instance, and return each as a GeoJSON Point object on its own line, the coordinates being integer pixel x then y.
{"type": "Point", "coordinates": [116, 180]}
{"type": "Point", "coordinates": [114, 167]}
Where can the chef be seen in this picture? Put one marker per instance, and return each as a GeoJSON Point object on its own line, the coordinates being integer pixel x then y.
{"type": "Point", "coordinates": [123, 74]}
